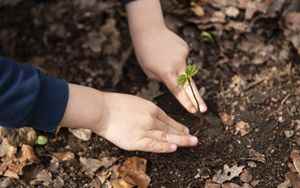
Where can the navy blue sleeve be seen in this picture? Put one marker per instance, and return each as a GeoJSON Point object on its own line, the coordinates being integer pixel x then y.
{"type": "Point", "coordinates": [30, 98]}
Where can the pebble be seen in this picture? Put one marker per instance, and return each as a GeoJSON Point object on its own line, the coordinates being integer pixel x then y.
{"type": "Point", "coordinates": [289, 133]}
{"type": "Point", "coordinates": [252, 164]}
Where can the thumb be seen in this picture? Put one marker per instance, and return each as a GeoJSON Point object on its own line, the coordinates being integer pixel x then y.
{"type": "Point", "coordinates": [184, 94]}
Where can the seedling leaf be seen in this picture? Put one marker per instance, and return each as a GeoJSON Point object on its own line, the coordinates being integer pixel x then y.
{"type": "Point", "coordinates": [41, 140]}
{"type": "Point", "coordinates": [207, 36]}
{"type": "Point", "coordinates": [182, 79]}
{"type": "Point", "coordinates": [191, 70]}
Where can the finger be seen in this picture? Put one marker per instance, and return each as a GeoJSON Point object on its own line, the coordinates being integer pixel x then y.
{"type": "Point", "coordinates": [179, 93]}
{"type": "Point", "coordinates": [162, 126]}
{"type": "Point", "coordinates": [195, 91]}
{"type": "Point", "coordinates": [152, 145]}
{"type": "Point", "coordinates": [162, 116]}
{"type": "Point", "coordinates": [150, 75]}
{"type": "Point", "coordinates": [179, 140]}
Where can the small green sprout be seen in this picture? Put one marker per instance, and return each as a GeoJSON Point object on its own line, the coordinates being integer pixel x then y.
{"type": "Point", "coordinates": [41, 140]}
{"type": "Point", "coordinates": [207, 36]}
{"type": "Point", "coordinates": [186, 78]}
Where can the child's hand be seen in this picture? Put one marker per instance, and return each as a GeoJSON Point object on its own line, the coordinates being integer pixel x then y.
{"type": "Point", "coordinates": [129, 122]}
{"type": "Point", "coordinates": [161, 53]}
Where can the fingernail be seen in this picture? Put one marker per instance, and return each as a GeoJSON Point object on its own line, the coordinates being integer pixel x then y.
{"type": "Point", "coordinates": [173, 147]}
{"type": "Point", "coordinates": [203, 108]}
{"type": "Point", "coordinates": [194, 140]}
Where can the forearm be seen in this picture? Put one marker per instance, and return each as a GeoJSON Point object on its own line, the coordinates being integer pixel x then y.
{"type": "Point", "coordinates": [144, 15]}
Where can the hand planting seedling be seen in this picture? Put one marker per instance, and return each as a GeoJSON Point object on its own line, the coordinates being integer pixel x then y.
{"type": "Point", "coordinates": [186, 78]}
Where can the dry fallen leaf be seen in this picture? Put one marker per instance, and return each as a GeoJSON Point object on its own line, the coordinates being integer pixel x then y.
{"type": "Point", "coordinates": [82, 134]}
{"type": "Point", "coordinates": [7, 150]}
{"type": "Point", "coordinates": [120, 183]}
{"type": "Point", "coordinates": [256, 156]}
{"type": "Point", "coordinates": [285, 184]}
{"type": "Point", "coordinates": [228, 173]}
{"type": "Point", "coordinates": [91, 165]}
{"type": "Point", "coordinates": [43, 176]}
{"type": "Point", "coordinates": [232, 12]}
{"type": "Point", "coordinates": [209, 184]}
{"type": "Point", "coordinates": [242, 128]}
{"type": "Point", "coordinates": [27, 155]}
{"type": "Point", "coordinates": [295, 156]}
{"type": "Point", "coordinates": [294, 179]}
{"type": "Point", "coordinates": [13, 167]}
{"type": "Point", "coordinates": [64, 156]}
{"type": "Point", "coordinates": [246, 176]}
{"type": "Point", "coordinates": [226, 118]}
{"type": "Point", "coordinates": [197, 9]}
{"type": "Point", "coordinates": [231, 185]}
{"type": "Point", "coordinates": [133, 171]}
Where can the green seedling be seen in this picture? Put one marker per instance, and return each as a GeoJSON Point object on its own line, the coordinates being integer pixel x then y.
{"type": "Point", "coordinates": [41, 140]}
{"type": "Point", "coordinates": [186, 78]}
{"type": "Point", "coordinates": [207, 36]}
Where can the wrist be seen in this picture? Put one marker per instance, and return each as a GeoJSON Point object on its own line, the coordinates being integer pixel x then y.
{"type": "Point", "coordinates": [84, 108]}
{"type": "Point", "coordinates": [145, 15]}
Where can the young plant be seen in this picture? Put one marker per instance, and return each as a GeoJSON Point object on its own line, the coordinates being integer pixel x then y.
{"type": "Point", "coordinates": [186, 78]}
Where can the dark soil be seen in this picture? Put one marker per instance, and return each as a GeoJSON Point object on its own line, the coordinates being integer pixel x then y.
{"type": "Point", "coordinates": [54, 36]}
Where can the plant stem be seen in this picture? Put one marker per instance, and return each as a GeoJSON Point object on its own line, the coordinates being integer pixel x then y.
{"type": "Point", "coordinates": [194, 95]}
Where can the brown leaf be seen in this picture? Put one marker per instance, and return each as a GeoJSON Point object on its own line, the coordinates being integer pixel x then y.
{"type": "Point", "coordinates": [82, 134]}
{"type": "Point", "coordinates": [295, 156]}
{"type": "Point", "coordinates": [133, 171]}
{"type": "Point", "coordinates": [27, 154]}
{"type": "Point", "coordinates": [230, 185]}
{"type": "Point", "coordinates": [11, 174]}
{"type": "Point", "coordinates": [228, 173]}
{"type": "Point", "coordinates": [210, 184]}
{"type": "Point", "coordinates": [43, 176]}
{"type": "Point", "coordinates": [232, 12]}
{"type": "Point", "coordinates": [91, 165]}
{"type": "Point", "coordinates": [64, 156]}
{"type": "Point", "coordinates": [292, 31]}
{"type": "Point", "coordinates": [285, 184]}
{"type": "Point", "coordinates": [256, 156]}
{"type": "Point", "coordinates": [7, 150]}
{"type": "Point", "coordinates": [226, 118]}
{"type": "Point", "coordinates": [246, 176]}
{"type": "Point", "coordinates": [197, 9]}
{"type": "Point", "coordinates": [242, 128]}
{"type": "Point", "coordinates": [120, 183]}
{"type": "Point", "coordinates": [294, 179]}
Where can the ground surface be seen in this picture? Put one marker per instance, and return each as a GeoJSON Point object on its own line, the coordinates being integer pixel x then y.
{"type": "Point", "coordinates": [249, 78]}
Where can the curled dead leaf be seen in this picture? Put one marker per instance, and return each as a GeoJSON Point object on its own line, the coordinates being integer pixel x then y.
{"type": "Point", "coordinates": [27, 154]}
{"type": "Point", "coordinates": [133, 171]}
